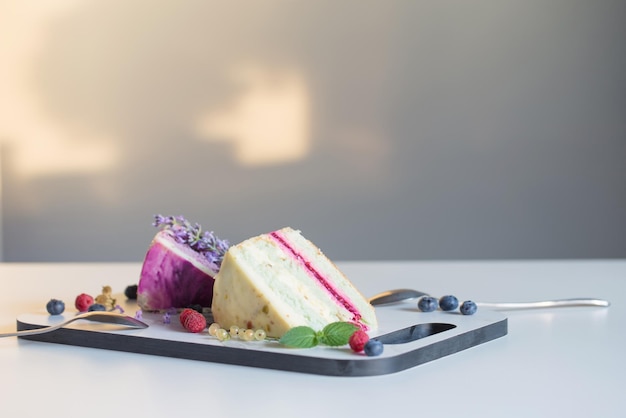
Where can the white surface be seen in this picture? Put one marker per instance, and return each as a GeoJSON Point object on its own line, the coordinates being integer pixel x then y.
{"type": "Point", "coordinates": [561, 362]}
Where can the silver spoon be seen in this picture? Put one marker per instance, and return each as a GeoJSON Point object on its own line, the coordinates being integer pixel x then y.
{"type": "Point", "coordinates": [95, 316]}
{"type": "Point", "coordinates": [401, 295]}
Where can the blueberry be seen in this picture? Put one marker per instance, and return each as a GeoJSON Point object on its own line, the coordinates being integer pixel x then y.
{"type": "Point", "coordinates": [196, 307]}
{"type": "Point", "coordinates": [131, 292]}
{"type": "Point", "coordinates": [427, 304]}
{"type": "Point", "coordinates": [55, 307]}
{"type": "Point", "coordinates": [468, 307]}
{"type": "Point", "coordinates": [97, 307]}
{"type": "Point", "coordinates": [373, 348]}
{"type": "Point", "coordinates": [448, 303]}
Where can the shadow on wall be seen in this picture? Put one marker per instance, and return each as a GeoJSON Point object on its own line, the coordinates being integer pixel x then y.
{"type": "Point", "coordinates": [395, 130]}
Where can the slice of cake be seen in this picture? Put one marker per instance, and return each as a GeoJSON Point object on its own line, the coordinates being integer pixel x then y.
{"type": "Point", "coordinates": [179, 267]}
{"type": "Point", "coordinates": [281, 280]}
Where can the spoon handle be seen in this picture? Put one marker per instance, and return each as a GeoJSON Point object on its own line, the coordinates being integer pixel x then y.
{"type": "Point", "coordinates": [28, 332]}
{"type": "Point", "coordinates": [557, 303]}
{"type": "Point", "coordinates": [95, 316]}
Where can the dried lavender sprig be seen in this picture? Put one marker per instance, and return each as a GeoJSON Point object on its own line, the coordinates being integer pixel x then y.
{"type": "Point", "coordinates": [205, 243]}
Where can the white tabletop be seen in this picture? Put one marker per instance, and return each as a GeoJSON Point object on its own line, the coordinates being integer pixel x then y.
{"type": "Point", "coordinates": [559, 362]}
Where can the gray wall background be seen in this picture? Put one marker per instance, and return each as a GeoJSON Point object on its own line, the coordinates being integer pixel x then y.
{"type": "Point", "coordinates": [436, 129]}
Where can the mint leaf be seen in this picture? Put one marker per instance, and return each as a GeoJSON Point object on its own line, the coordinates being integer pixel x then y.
{"type": "Point", "coordinates": [337, 333]}
{"type": "Point", "coordinates": [300, 337]}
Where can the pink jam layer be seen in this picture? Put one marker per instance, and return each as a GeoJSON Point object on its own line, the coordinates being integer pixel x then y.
{"type": "Point", "coordinates": [356, 316]}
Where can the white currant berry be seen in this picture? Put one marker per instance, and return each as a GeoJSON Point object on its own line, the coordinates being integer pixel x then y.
{"type": "Point", "coordinates": [234, 330]}
{"type": "Point", "coordinates": [213, 328]}
{"type": "Point", "coordinates": [260, 335]}
{"type": "Point", "coordinates": [222, 334]}
{"type": "Point", "coordinates": [248, 335]}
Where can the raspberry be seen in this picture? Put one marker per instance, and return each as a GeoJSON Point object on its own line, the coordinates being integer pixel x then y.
{"type": "Point", "coordinates": [195, 322]}
{"type": "Point", "coordinates": [83, 302]}
{"type": "Point", "coordinates": [358, 340]}
{"type": "Point", "coordinates": [184, 314]}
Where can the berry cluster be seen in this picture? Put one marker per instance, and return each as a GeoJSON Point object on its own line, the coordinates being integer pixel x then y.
{"type": "Point", "coordinates": [234, 331]}
{"type": "Point", "coordinates": [192, 320]}
{"type": "Point", "coordinates": [446, 303]}
{"type": "Point", "coordinates": [103, 302]}
{"type": "Point", "coordinates": [106, 298]}
{"type": "Point", "coordinates": [87, 303]}
{"type": "Point", "coordinates": [360, 341]}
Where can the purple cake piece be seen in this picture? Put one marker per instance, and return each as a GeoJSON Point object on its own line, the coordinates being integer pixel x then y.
{"type": "Point", "coordinates": [179, 267]}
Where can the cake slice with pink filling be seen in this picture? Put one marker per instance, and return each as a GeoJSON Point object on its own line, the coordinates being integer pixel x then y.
{"type": "Point", "coordinates": [281, 280]}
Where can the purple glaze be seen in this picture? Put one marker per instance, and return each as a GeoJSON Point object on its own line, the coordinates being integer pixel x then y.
{"type": "Point", "coordinates": [169, 278]}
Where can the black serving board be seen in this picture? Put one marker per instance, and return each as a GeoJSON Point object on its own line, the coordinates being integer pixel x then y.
{"type": "Point", "coordinates": [410, 338]}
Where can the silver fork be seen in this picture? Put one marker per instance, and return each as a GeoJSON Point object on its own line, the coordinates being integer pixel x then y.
{"type": "Point", "coordinates": [95, 316]}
